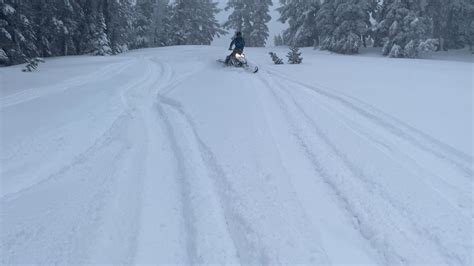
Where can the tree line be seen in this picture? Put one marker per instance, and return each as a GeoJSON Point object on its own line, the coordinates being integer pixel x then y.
{"type": "Point", "coordinates": [401, 28]}
{"type": "Point", "coordinates": [42, 28]}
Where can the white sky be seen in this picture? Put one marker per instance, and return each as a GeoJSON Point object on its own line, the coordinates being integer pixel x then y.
{"type": "Point", "coordinates": [274, 26]}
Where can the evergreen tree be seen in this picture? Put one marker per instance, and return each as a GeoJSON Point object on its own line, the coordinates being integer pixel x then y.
{"type": "Point", "coordinates": [166, 38]}
{"type": "Point", "coordinates": [294, 56]}
{"type": "Point", "coordinates": [239, 19]}
{"type": "Point", "coordinates": [405, 27]}
{"type": "Point", "coordinates": [379, 33]}
{"type": "Point", "coordinates": [259, 34]}
{"type": "Point", "coordinates": [396, 51]}
{"type": "Point", "coordinates": [301, 17]}
{"type": "Point", "coordinates": [276, 60]}
{"type": "Point", "coordinates": [118, 16]}
{"type": "Point", "coordinates": [100, 42]}
{"type": "Point", "coordinates": [250, 17]}
{"type": "Point", "coordinates": [150, 17]}
{"type": "Point", "coordinates": [325, 23]}
{"type": "Point", "coordinates": [8, 46]}
{"type": "Point", "coordinates": [470, 34]}
{"type": "Point", "coordinates": [450, 19]}
{"type": "Point", "coordinates": [43, 15]}
{"type": "Point", "coordinates": [87, 15]}
{"type": "Point", "coordinates": [4, 60]}
{"type": "Point", "coordinates": [67, 27]}
{"type": "Point", "coordinates": [278, 40]}
{"type": "Point", "coordinates": [194, 22]}
{"type": "Point", "coordinates": [160, 23]}
{"type": "Point", "coordinates": [348, 23]}
{"type": "Point", "coordinates": [142, 24]}
{"type": "Point", "coordinates": [206, 27]}
{"type": "Point", "coordinates": [17, 37]}
{"type": "Point", "coordinates": [32, 64]}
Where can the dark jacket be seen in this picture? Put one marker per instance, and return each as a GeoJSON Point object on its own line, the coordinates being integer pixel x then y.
{"type": "Point", "coordinates": [239, 43]}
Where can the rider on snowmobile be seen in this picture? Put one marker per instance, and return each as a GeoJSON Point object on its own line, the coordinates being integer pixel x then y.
{"type": "Point", "coordinates": [239, 43]}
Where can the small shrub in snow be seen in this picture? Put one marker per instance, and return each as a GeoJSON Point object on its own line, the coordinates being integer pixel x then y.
{"type": "Point", "coordinates": [32, 64]}
{"type": "Point", "coordinates": [294, 56]}
{"type": "Point", "coordinates": [277, 60]}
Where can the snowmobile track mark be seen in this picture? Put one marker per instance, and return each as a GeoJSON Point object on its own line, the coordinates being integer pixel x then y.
{"type": "Point", "coordinates": [421, 230]}
{"type": "Point", "coordinates": [417, 138]}
{"type": "Point", "coordinates": [351, 206]}
{"type": "Point", "coordinates": [247, 246]}
{"type": "Point", "coordinates": [37, 92]}
{"type": "Point", "coordinates": [404, 160]}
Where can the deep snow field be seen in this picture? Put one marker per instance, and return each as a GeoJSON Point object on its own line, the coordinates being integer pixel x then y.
{"type": "Point", "coordinates": [164, 156]}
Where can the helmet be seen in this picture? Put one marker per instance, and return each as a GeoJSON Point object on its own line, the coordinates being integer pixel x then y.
{"type": "Point", "coordinates": [238, 34]}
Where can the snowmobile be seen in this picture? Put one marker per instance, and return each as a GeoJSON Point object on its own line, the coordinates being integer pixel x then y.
{"type": "Point", "coordinates": [239, 60]}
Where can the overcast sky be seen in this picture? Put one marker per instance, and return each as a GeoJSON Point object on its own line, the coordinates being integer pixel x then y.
{"type": "Point", "coordinates": [274, 26]}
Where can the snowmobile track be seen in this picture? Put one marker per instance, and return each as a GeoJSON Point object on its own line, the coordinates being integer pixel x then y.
{"type": "Point", "coordinates": [444, 152]}
{"type": "Point", "coordinates": [358, 209]}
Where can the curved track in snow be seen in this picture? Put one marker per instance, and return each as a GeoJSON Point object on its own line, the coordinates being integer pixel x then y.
{"type": "Point", "coordinates": [164, 157]}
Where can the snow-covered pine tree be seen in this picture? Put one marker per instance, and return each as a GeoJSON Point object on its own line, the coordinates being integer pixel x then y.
{"type": "Point", "coordinates": [160, 23]}
{"type": "Point", "coordinates": [166, 38]}
{"type": "Point", "coordinates": [294, 56]}
{"type": "Point", "coordinates": [350, 24]}
{"type": "Point", "coordinates": [325, 23]}
{"type": "Point", "coordinates": [438, 11]}
{"type": "Point", "coordinates": [470, 33]}
{"type": "Point", "coordinates": [100, 41]}
{"type": "Point", "coordinates": [86, 22]}
{"type": "Point", "coordinates": [194, 22]}
{"type": "Point", "coordinates": [64, 26]}
{"type": "Point", "coordinates": [396, 51]}
{"type": "Point", "coordinates": [405, 27]}
{"type": "Point", "coordinates": [276, 60]}
{"type": "Point", "coordinates": [237, 19]}
{"type": "Point", "coordinates": [260, 18]}
{"type": "Point", "coordinates": [150, 17]}
{"type": "Point", "coordinates": [4, 60]}
{"type": "Point", "coordinates": [468, 26]}
{"type": "Point", "coordinates": [32, 64]}
{"type": "Point", "coordinates": [278, 40]}
{"type": "Point", "coordinates": [7, 42]}
{"type": "Point", "coordinates": [142, 24]}
{"type": "Point", "coordinates": [428, 46]}
{"type": "Point", "coordinates": [206, 26]}
{"type": "Point", "coordinates": [17, 36]}
{"type": "Point", "coordinates": [42, 15]}
{"type": "Point", "coordinates": [301, 17]}
{"type": "Point", "coordinates": [119, 21]}
{"type": "Point", "coordinates": [450, 19]}
{"type": "Point", "coordinates": [379, 33]}
{"type": "Point", "coordinates": [460, 17]}
{"type": "Point", "coordinates": [251, 18]}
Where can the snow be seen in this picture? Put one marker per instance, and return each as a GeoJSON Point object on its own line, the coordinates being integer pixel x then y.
{"type": "Point", "coordinates": [163, 156]}
{"type": "Point", "coordinates": [8, 9]}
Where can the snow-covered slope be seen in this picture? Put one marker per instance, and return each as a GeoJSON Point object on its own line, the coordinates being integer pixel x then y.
{"type": "Point", "coordinates": [163, 156]}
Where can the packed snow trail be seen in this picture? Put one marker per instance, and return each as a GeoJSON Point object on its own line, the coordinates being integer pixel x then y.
{"type": "Point", "coordinates": [163, 156]}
